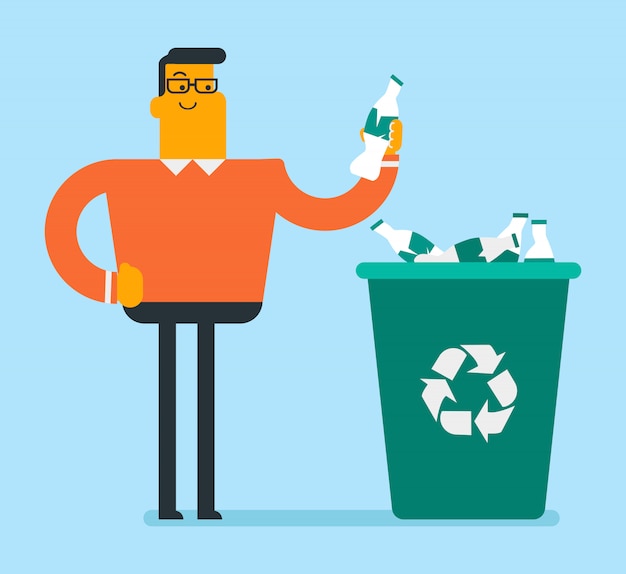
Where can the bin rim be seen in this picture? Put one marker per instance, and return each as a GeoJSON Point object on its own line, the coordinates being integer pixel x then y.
{"type": "Point", "coordinates": [523, 270]}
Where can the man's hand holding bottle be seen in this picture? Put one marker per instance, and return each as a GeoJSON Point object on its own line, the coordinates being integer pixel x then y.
{"type": "Point", "coordinates": [395, 137]}
{"type": "Point", "coordinates": [382, 133]}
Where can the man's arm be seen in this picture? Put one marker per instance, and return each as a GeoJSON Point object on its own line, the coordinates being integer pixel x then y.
{"type": "Point", "coordinates": [341, 211]}
{"type": "Point", "coordinates": [65, 252]}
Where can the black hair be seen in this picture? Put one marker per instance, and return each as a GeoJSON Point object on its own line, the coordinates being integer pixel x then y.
{"type": "Point", "coordinates": [189, 56]}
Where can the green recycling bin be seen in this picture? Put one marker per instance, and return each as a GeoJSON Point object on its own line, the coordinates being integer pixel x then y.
{"type": "Point", "coordinates": [468, 358]}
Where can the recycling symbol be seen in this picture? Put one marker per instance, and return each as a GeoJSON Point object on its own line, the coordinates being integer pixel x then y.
{"type": "Point", "coordinates": [502, 385]}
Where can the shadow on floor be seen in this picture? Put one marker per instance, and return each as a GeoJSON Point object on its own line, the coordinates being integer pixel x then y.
{"type": "Point", "coordinates": [331, 518]}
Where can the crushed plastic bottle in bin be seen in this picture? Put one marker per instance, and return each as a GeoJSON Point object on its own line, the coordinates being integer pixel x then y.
{"type": "Point", "coordinates": [407, 244]}
{"type": "Point", "coordinates": [506, 247]}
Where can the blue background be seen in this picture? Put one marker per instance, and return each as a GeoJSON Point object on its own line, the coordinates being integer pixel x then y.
{"type": "Point", "coordinates": [507, 106]}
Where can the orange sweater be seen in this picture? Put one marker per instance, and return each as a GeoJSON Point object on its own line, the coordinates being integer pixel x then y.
{"type": "Point", "coordinates": [195, 237]}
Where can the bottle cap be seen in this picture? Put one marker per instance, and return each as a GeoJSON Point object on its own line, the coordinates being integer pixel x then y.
{"type": "Point", "coordinates": [376, 224]}
{"type": "Point", "coordinates": [539, 221]}
{"type": "Point", "coordinates": [397, 80]}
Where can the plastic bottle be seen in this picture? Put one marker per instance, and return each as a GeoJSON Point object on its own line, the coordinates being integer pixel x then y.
{"type": "Point", "coordinates": [541, 249]}
{"type": "Point", "coordinates": [407, 244]}
{"type": "Point", "coordinates": [376, 132]}
{"type": "Point", "coordinates": [504, 248]}
{"type": "Point", "coordinates": [480, 249]}
{"type": "Point", "coordinates": [412, 246]}
{"type": "Point", "coordinates": [516, 226]}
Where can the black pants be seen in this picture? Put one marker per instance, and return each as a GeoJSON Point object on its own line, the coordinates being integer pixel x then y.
{"type": "Point", "coordinates": [205, 315]}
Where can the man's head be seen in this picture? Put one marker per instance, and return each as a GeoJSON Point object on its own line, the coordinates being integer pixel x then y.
{"type": "Point", "coordinates": [191, 110]}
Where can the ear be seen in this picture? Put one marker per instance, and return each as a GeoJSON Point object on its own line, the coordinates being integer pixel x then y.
{"type": "Point", "coordinates": [155, 107]}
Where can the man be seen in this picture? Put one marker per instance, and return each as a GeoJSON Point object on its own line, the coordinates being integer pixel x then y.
{"type": "Point", "coordinates": [192, 234]}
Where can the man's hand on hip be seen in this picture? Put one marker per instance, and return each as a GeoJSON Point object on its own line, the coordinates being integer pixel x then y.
{"type": "Point", "coordinates": [129, 285]}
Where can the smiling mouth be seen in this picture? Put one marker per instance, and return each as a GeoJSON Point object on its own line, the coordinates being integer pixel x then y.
{"type": "Point", "coordinates": [184, 108]}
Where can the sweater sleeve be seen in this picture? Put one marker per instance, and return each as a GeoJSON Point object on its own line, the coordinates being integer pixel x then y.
{"type": "Point", "coordinates": [61, 234]}
{"type": "Point", "coordinates": [341, 211]}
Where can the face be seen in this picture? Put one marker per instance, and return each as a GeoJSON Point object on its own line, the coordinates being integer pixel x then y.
{"type": "Point", "coordinates": [192, 113]}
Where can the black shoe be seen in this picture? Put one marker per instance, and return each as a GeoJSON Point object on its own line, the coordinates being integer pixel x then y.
{"type": "Point", "coordinates": [170, 515]}
{"type": "Point", "coordinates": [209, 515]}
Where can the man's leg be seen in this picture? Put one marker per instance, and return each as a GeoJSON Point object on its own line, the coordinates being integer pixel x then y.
{"type": "Point", "coordinates": [206, 421]}
{"type": "Point", "coordinates": [167, 421]}
{"type": "Point", "coordinates": [208, 315]}
{"type": "Point", "coordinates": [164, 315]}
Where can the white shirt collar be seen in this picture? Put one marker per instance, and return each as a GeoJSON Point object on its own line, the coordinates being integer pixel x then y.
{"type": "Point", "coordinates": [207, 165]}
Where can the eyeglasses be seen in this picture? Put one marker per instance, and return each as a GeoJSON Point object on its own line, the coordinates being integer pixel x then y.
{"type": "Point", "coordinates": [201, 85]}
